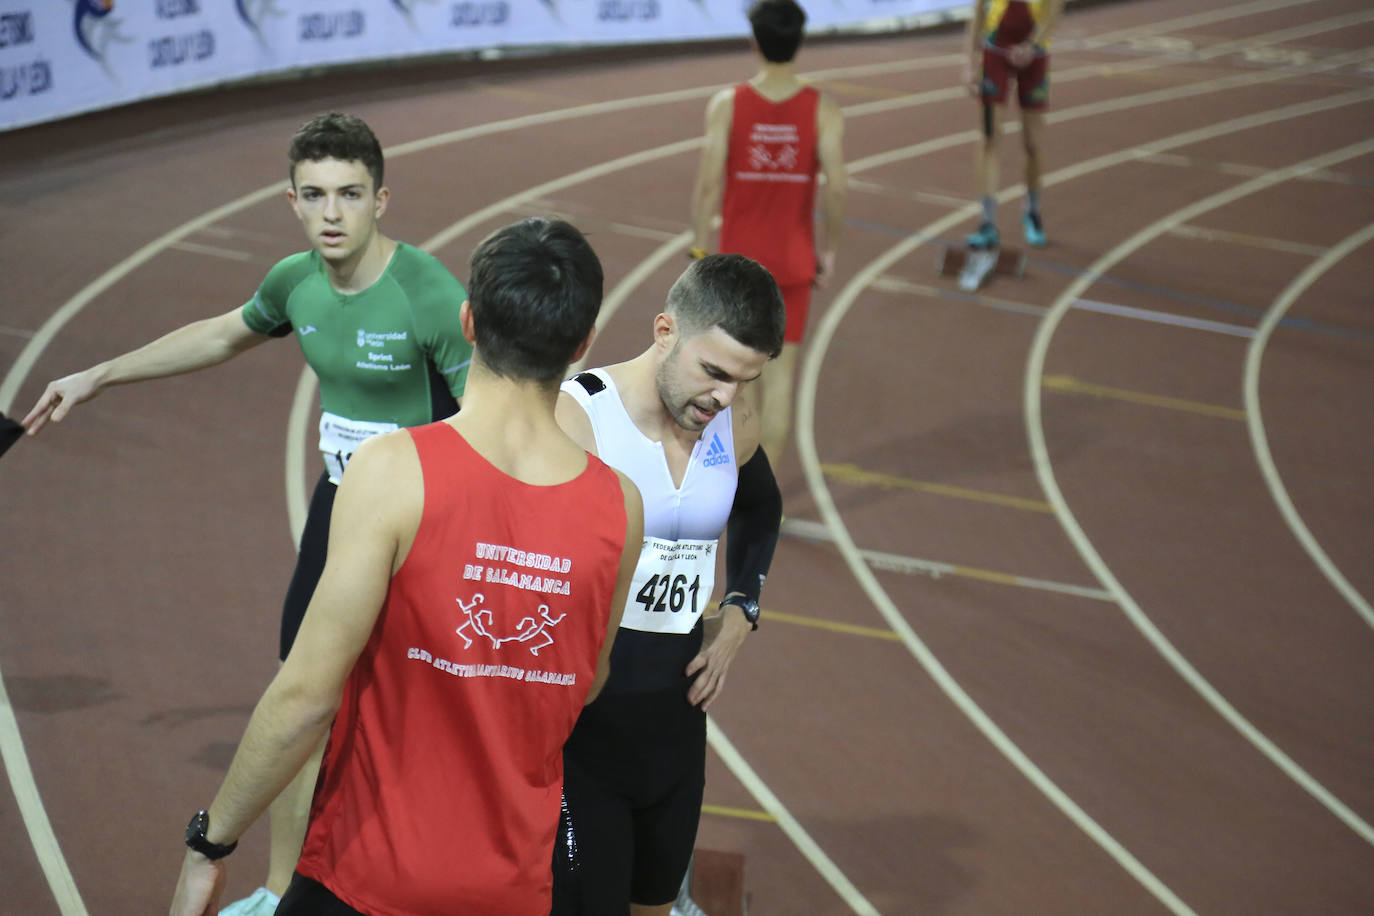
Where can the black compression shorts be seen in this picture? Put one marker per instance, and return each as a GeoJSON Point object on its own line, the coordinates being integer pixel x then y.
{"type": "Point", "coordinates": [633, 775]}
{"type": "Point", "coordinates": [309, 563]}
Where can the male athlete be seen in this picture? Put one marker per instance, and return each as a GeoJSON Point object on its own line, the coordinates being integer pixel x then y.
{"type": "Point", "coordinates": [765, 141]}
{"type": "Point", "coordinates": [477, 567]}
{"type": "Point", "coordinates": [1010, 39]}
{"type": "Point", "coordinates": [377, 322]}
{"type": "Point", "coordinates": [675, 421]}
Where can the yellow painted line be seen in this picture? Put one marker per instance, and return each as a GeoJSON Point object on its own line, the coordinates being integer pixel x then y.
{"type": "Point", "coordinates": [833, 625]}
{"type": "Point", "coordinates": [1067, 385]}
{"type": "Point", "coordinates": [744, 814]}
{"type": "Point", "coordinates": [852, 474]}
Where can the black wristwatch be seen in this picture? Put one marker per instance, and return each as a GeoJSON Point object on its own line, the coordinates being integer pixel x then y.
{"type": "Point", "coordinates": [195, 838]}
{"type": "Point", "coordinates": [747, 605]}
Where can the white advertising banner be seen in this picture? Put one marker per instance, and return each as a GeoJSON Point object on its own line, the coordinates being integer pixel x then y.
{"type": "Point", "coordinates": [64, 57]}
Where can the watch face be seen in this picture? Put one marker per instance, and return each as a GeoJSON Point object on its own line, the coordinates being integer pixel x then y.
{"type": "Point", "coordinates": [200, 822]}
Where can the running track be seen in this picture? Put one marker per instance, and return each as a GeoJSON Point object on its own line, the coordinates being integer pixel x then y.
{"type": "Point", "coordinates": [1073, 614]}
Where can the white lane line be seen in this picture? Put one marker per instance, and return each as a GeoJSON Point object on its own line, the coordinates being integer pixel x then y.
{"type": "Point", "coordinates": [41, 835]}
{"type": "Point", "coordinates": [789, 824]}
{"type": "Point", "coordinates": [1260, 441]}
{"type": "Point", "coordinates": [1239, 11]}
{"type": "Point", "coordinates": [808, 385]}
{"type": "Point", "coordinates": [1157, 317]}
{"type": "Point", "coordinates": [214, 251]}
{"type": "Point", "coordinates": [1044, 469]}
{"type": "Point", "coordinates": [912, 566]}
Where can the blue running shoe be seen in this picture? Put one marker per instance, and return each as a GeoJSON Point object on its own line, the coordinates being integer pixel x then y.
{"type": "Point", "coordinates": [984, 239]}
{"type": "Point", "coordinates": [1034, 229]}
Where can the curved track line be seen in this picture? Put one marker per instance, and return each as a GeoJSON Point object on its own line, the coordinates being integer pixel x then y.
{"type": "Point", "coordinates": [811, 465]}
{"type": "Point", "coordinates": [1259, 441]}
{"type": "Point", "coordinates": [790, 826]}
{"type": "Point", "coordinates": [45, 845]}
{"type": "Point", "coordinates": [1044, 470]}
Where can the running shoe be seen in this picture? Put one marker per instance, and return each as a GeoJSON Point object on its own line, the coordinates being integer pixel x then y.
{"type": "Point", "coordinates": [261, 902]}
{"type": "Point", "coordinates": [985, 238]}
{"type": "Point", "coordinates": [1034, 229]}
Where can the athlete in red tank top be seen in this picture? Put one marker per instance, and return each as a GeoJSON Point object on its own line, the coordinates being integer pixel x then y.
{"type": "Point", "coordinates": [475, 568]}
{"type": "Point", "coordinates": [770, 183]}
{"type": "Point", "coordinates": [765, 142]}
{"type": "Point", "coordinates": [461, 702]}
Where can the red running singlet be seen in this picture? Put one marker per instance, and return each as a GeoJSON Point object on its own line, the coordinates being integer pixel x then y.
{"type": "Point", "coordinates": [440, 787]}
{"type": "Point", "coordinates": [770, 183]}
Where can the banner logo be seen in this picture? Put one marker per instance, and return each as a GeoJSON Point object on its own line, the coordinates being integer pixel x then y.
{"type": "Point", "coordinates": [95, 29]}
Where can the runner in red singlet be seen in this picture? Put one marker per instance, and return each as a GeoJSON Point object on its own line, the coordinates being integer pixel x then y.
{"type": "Point", "coordinates": [766, 141]}
{"type": "Point", "coordinates": [475, 567]}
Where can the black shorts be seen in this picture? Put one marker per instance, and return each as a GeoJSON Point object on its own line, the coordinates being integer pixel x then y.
{"type": "Point", "coordinates": [634, 771]}
{"type": "Point", "coordinates": [309, 563]}
{"type": "Point", "coordinates": [308, 897]}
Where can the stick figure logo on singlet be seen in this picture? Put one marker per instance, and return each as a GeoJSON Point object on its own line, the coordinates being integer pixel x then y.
{"type": "Point", "coordinates": [530, 629]}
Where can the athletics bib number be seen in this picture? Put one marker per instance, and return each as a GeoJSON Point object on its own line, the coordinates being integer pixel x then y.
{"type": "Point", "coordinates": [672, 584]}
{"type": "Point", "coordinates": [340, 437]}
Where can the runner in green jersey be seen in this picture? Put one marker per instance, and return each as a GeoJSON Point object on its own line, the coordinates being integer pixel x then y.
{"type": "Point", "coordinates": [378, 322]}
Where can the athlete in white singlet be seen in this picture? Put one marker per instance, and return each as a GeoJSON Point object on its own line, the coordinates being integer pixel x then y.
{"type": "Point", "coordinates": [675, 422]}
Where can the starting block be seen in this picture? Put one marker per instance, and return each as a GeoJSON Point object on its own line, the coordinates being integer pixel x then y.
{"type": "Point", "coordinates": [974, 266]}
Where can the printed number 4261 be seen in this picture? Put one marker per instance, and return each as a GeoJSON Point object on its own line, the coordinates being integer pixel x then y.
{"type": "Point", "coordinates": [668, 593]}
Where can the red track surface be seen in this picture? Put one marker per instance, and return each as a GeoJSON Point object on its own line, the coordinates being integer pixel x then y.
{"type": "Point", "coordinates": [146, 544]}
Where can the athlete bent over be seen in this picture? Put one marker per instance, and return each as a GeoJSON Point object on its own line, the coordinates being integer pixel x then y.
{"type": "Point", "coordinates": [1010, 39]}
{"type": "Point", "coordinates": [677, 421]}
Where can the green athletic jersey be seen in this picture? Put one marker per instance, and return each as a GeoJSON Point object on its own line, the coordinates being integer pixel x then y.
{"type": "Point", "coordinates": [384, 355]}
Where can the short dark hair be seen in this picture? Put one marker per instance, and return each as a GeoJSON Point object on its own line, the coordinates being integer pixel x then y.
{"type": "Point", "coordinates": [733, 293]}
{"type": "Point", "coordinates": [778, 28]}
{"type": "Point", "coordinates": [534, 291]}
{"type": "Point", "coordinates": [337, 136]}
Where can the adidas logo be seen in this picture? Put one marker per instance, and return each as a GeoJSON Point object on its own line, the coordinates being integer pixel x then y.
{"type": "Point", "coordinates": [715, 454]}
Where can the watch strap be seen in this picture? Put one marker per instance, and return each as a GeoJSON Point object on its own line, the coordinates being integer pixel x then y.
{"type": "Point", "coordinates": [196, 839]}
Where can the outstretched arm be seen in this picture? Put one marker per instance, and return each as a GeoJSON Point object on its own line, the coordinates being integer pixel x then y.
{"type": "Point", "coordinates": [711, 172]}
{"type": "Point", "coordinates": [193, 346]}
{"type": "Point", "coordinates": [830, 148]}
{"type": "Point", "coordinates": [376, 512]}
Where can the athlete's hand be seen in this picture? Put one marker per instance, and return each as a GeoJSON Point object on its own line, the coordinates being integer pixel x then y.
{"type": "Point", "coordinates": [973, 77]}
{"type": "Point", "coordinates": [1020, 55]}
{"type": "Point", "coordinates": [724, 634]}
{"type": "Point", "coordinates": [825, 268]}
{"type": "Point", "coordinates": [199, 887]}
{"type": "Point", "coordinates": [59, 398]}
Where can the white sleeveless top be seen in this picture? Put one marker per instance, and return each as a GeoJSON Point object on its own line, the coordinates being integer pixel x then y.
{"type": "Point", "coordinates": [660, 631]}
{"type": "Point", "coordinates": [699, 508]}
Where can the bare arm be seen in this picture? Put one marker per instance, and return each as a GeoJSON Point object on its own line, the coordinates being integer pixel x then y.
{"type": "Point", "coordinates": [629, 558]}
{"type": "Point", "coordinates": [574, 422]}
{"type": "Point", "coordinates": [1053, 10]}
{"type": "Point", "coordinates": [720, 113]}
{"type": "Point", "coordinates": [375, 515]}
{"type": "Point", "coordinates": [193, 346]}
{"type": "Point", "coordinates": [830, 147]}
{"type": "Point", "coordinates": [973, 67]}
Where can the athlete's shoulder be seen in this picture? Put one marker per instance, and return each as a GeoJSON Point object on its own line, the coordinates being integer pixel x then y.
{"type": "Point", "coordinates": [293, 268]}
{"type": "Point", "coordinates": [419, 272]}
